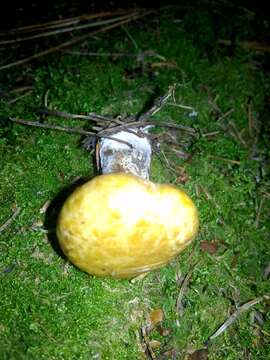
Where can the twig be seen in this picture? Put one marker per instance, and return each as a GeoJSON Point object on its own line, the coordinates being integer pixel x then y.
{"type": "Point", "coordinates": [236, 132]}
{"type": "Point", "coordinates": [212, 133]}
{"type": "Point", "coordinates": [250, 120]}
{"type": "Point", "coordinates": [181, 106]}
{"type": "Point", "coordinates": [131, 38]}
{"type": "Point", "coordinates": [257, 221]}
{"type": "Point", "coordinates": [60, 23]}
{"type": "Point", "coordinates": [253, 45]}
{"type": "Point", "coordinates": [226, 114]}
{"type": "Point", "coordinates": [9, 221]}
{"type": "Point", "coordinates": [64, 30]}
{"type": "Point", "coordinates": [139, 124]}
{"type": "Point", "coordinates": [12, 101]}
{"type": "Point", "coordinates": [234, 316]}
{"type": "Point", "coordinates": [120, 54]}
{"type": "Point", "coordinates": [46, 98]}
{"type": "Point", "coordinates": [167, 163]}
{"type": "Point", "coordinates": [148, 349]}
{"type": "Point", "coordinates": [236, 162]}
{"type": "Point", "coordinates": [73, 41]}
{"type": "Point", "coordinates": [66, 115]}
{"type": "Point", "coordinates": [183, 290]}
{"type": "Point", "coordinates": [65, 129]}
{"type": "Point", "coordinates": [210, 197]}
{"type": "Point", "coordinates": [21, 89]}
{"type": "Point", "coordinates": [158, 104]}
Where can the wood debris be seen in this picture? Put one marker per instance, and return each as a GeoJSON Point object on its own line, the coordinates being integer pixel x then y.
{"type": "Point", "coordinates": [8, 222]}
{"type": "Point", "coordinates": [235, 316]}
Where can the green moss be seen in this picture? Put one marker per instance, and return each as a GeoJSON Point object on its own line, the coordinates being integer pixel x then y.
{"type": "Point", "coordinates": [51, 310]}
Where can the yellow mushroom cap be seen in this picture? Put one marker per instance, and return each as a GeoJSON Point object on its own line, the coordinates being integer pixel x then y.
{"type": "Point", "coordinates": [120, 225]}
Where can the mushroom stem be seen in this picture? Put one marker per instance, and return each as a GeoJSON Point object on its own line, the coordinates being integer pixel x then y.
{"type": "Point", "coordinates": [115, 156]}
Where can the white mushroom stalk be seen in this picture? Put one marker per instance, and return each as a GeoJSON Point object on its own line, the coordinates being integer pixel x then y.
{"type": "Point", "coordinates": [135, 158]}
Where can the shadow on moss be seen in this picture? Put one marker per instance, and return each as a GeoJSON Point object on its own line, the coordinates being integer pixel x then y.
{"type": "Point", "coordinates": [54, 210]}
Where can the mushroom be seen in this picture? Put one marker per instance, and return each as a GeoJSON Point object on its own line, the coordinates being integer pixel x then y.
{"type": "Point", "coordinates": [120, 224]}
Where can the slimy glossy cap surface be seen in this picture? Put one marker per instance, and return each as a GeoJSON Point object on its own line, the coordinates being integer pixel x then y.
{"type": "Point", "coordinates": [120, 225]}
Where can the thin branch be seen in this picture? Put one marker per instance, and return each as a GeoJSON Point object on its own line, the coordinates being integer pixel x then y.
{"type": "Point", "coordinates": [147, 346]}
{"type": "Point", "coordinates": [223, 116]}
{"type": "Point", "coordinates": [181, 106]}
{"type": "Point", "coordinates": [212, 133]}
{"type": "Point", "coordinates": [120, 54]}
{"type": "Point", "coordinates": [250, 120]}
{"type": "Point", "coordinates": [183, 290]}
{"type": "Point", "coordinates": [66, 115]}
{"type": "Point", "coordinates": [60, 23]}
{"type": "Point", "coordinates": [12, 101]}
{"type": "Point", "coordinates": [252, 45]}
{"type": "Point", "coordinates": [159, 124]}
{"type": "Point", "coordinates": [131, 38]}
{"type": "Point", "coordinates": [258, 215]}
{"type": "Point", "coordinates": [120, 125]}
{"type": "Point", "coordinates": [66, 129]}
{"type": "Point", "coordinates": [236, 162]}
{"type": "Point", "coordinates": [235, 315]}
{"type": "Point", "coordinates": [64, 30]}
{"type": "Point", "coordinates": [158, 104]}
{"type": "Point", "coordinates": [73, 41]}
{"type": "Point", "coordinates": [9, 221]}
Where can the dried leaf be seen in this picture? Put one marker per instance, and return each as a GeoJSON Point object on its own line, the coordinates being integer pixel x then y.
{"type": "Point", "coordinates": [210, 247]}
{"type": "Point", "coordinates": [164, 332]}
{"type": "Point", "coordinates": [201, 354]}
{"type": "Point", "coordinates": [156, 316]}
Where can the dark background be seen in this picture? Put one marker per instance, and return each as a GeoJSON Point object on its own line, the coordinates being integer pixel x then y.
{"type": "Point", "coordinates": [19, 13]}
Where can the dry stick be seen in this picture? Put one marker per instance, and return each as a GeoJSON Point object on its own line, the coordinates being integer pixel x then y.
{"type": "Point", "coordinates": [129, 122]}
{"type": "Point", "coordinates": [257, 221]}
{"type": "Point", "coordinates": [223, 116]}
{"type": "Point", "coordinates": [40, 27]}
{"type": "Point", "coordinates": [183, 290]}
{"type": "Point", "coordinates": [181, 106]}
{"type": "Point", "coordinates": [158, 104]}
{"type": "Point", "coordinates": [46, 98]}
{"type": "Point", "coordinates": [64, 30]}
{"type": "Point", "coordinates": [250, 120]}
{"type": "Point", "coordinates": [62, 22]}
{"type": "Point", "coordinates": [237, 134]}
{"type": "Point", "coordinates": [139, 55]}
{"type": "Point", "coordinates": [210, 133]}
{"type": "Point", "coordinates": [148, 349]}
{"type": "Point", "coordinates": [146, 123]}
{"type": "Point", "coordinates": [65, 129]}
{"type": "Point", "coordinates": [210, 198]}
{"type": "Point", "coordinates": [73, 41]}
{"type": "Point", "coordinates": [64, 114]}
{"type": "Point", "coordinates": [234, 316]}
{"type": "Point", "coordinates": [9, 221]}
{"type": "Point", "coordinates": [253, 45]}
{"type": "Point", "coordinates": [91, 116]}
{"type": "Point", "coordinates": [236, 162]}
{"type": "Point", "coordinates": [21, 89]}
{"type": "Point", "coordinates": [12, 101]}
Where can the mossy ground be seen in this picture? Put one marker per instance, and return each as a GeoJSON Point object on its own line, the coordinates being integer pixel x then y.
{"type": "Point", "coordinates": [51, 310]}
